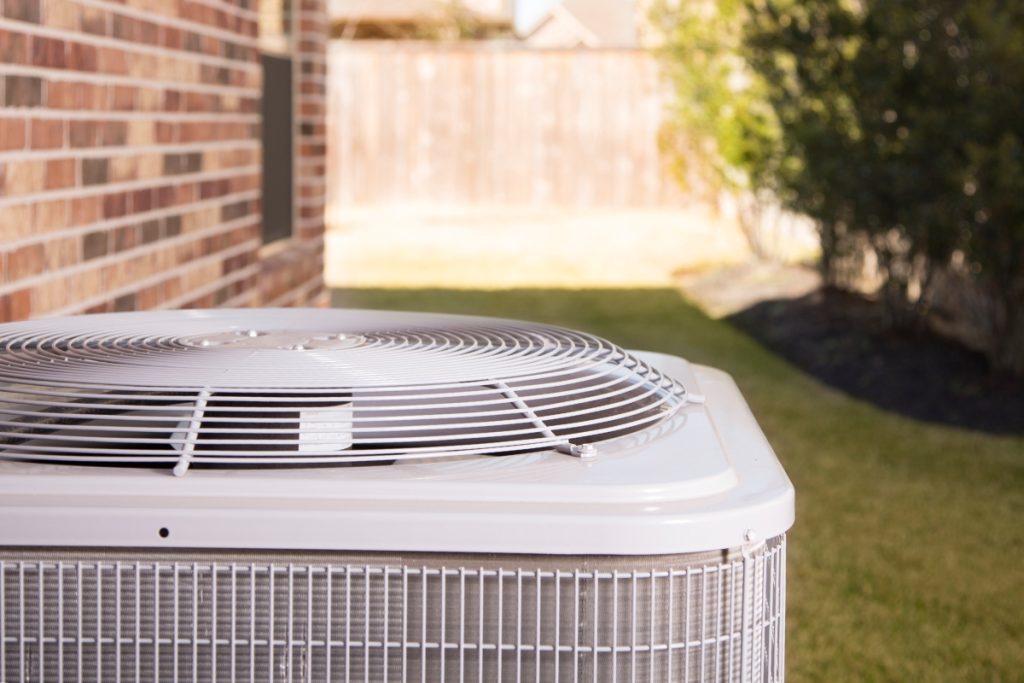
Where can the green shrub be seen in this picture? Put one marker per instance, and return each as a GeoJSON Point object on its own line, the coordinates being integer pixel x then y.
{"type": "Point", "coordinates": [897, 126]}
{"type": "Point", "coordinates": [721, 135]}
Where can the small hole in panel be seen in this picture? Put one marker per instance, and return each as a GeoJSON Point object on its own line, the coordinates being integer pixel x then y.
{"type": "Point", "coordinates": [164, 532]}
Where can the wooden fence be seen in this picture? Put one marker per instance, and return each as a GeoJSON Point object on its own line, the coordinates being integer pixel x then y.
{"type": "Point", "coordinates": [491, 124]}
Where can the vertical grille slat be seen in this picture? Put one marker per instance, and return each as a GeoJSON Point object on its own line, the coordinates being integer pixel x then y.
{"type": "Point", "coordinates": [204, 618]}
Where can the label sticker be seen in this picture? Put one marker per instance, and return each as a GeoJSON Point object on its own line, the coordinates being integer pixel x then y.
{"type": "Point", "coordinates": [325, 429]}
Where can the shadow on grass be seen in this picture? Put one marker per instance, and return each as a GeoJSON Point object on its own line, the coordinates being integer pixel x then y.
{"type": "Point", "coordinates": [897, 520]}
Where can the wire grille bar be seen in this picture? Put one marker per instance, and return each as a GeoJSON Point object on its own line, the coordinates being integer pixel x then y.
{"type": "Point", "coordinates": [105, 616]}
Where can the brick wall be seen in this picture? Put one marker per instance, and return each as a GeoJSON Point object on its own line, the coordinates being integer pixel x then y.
{"type": "Point", "coordinates": [294, 276]}
{"type": "Point", "coordinates": [130, 159]}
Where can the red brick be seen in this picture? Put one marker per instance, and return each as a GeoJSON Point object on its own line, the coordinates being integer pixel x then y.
{"type": "Point", "coordinates": [12, 133]}
{"type": "Point", "coordinates": [193, 42]}
{"type": "Point", "coordinates": [194, 132]}
{"type": "Point", "coordinates": [23, 91]}
{"type": "Point", "coordinates": [126, 238]}
{"type": "Point", "coordinates": [95, 171]}
{"type": "Point", "coordinates": [148, 297]}
{"type": "Point", "coordinates": [172, 226]}
{"type": "Point", "coordinates": [165, 132]}
{"type": "Point", "coordinates": [47, 133]}
{"type": "Point", "coordinates": [200, 101]}
{"type": "Point", "coordinates": [112, 60]}
{"type": "Point", "coordinates": [104, 307]}
{"type": "Point", "coordinates": [150, 231]}
{"type": "Point", "coordinates": [13, 47]}
{"type": "Point", "coordinates": [115, 205]}
{"type": "Point", "coordinates": [115, 133]}
{"type": "Point", "coordinates": [172, 100]}
{"type": "Point", "coordinates": [85, 210]}
{"type": "Point", "coordinates": [84, 133]}
{"type": "Point", "coordinates": [24, 176]}
{"type": "Point", "coordinates": [164, 196]}
{"type": "Point", "coordinates": [148, 32]}
{"type": "Point", "coordinates": [60, 173]}
{"type": "Point", "coordinates": [19, 304]}
{"type": "Point", "coordinates": [51, 215]}
{"type": "Point", "coordinates": [186, 194]}
{"type": "Point", "coordinates": [211, 46]}
{"type": "Point", "coordinates": [62, 252]}
{"type": "Point", "coordinates": [184, 162]}
{"type": "Point", "coordinates": [58, 95]}
{"type": "Point", "coordinates": [124, 28]}
{"type": "Point", "coordinates": [48, 52]}
{"type": "Point", "coordinates": [123, 98]}
{"type": "Point", "coordinates": [171, 38]}
{"type": "Point", "coordinates": [25, 262]}
{"type": "Point", "coordinates": [142, 200]}
{"type": "Point", "coordinates": [125, 302]}
{"type": "Point", "coordinates": [82, 57]}
{"type": "Point", "coordinates": [94, 21]}
{"type": "Point", "coordinates": [150, 99]}
{"type": "Point", "coordinates": [213, 188]}
{"type": "Point", "coordinates": [22, 10]}
{"type": "Point", "coordinates": [95, 244]}
{"type": "Point", "coordinates": [61, 95]}
{"type": "Point", "coordinates": [90, 96]}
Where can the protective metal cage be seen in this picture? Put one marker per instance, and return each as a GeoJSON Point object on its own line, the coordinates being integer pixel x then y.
{"type": "Point", "coordinates": [284, 387]}
{"type": "Point", "coordinates": [83, 615]}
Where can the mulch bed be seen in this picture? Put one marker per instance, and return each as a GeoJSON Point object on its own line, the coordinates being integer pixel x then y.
{"type": "Point", "coordinates": [842, 340]}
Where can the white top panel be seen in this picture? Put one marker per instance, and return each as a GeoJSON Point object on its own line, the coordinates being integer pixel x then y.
{"type": "Point", "coordinates": [704, 478]}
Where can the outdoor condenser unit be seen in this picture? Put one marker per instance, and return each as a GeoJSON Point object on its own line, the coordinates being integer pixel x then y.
{"type": "Point", "coordinates": [331, 495]}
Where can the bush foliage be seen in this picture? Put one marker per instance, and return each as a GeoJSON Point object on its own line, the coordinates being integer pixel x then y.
{"type": "Point", "coordinates": [897, 126]}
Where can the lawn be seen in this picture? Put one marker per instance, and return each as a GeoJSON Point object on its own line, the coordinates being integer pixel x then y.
{"type": "Point", "coordinates": [907, 559]}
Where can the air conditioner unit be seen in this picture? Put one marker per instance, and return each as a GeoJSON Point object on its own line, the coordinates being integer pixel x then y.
{"type": "Point", "coordinates": [331, 495]}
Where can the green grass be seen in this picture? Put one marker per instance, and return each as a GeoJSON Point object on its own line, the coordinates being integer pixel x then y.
{"type": "Point", "coordinates": [907, 559]}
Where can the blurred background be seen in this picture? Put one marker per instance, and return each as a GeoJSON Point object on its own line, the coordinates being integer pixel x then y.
{"type": "Point", "coordinates": [824, 198]}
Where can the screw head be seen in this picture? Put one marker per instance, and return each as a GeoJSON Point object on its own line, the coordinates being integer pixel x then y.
{"type": "Point", "coordinates": [586, 451]}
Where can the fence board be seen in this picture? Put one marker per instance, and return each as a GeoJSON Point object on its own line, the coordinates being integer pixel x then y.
{"type": "Point", "coordinates": [494, 124]}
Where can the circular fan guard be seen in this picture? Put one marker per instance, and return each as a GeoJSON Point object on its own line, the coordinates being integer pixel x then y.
{"type": "Point", "coordinates": [258, 387]}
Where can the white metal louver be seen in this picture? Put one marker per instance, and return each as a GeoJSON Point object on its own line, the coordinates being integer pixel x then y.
{"type": "Point", "coordinates": [283, 387]}
{"type": "Point", "coordinates": [377, 496]}
{"type": "Point", "coordinates": [196, 617]}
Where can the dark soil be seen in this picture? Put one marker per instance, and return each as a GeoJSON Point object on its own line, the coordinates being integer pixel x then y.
{"type": "Point", "coordinates": [842, 339]}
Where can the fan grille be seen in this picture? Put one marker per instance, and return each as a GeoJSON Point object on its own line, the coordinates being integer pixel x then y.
{"type": "Point", "coordinates": [304, 387]}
